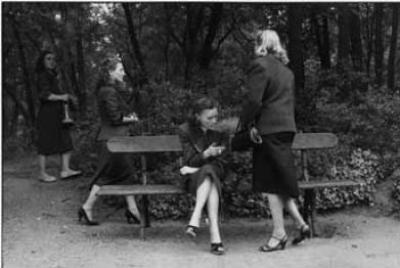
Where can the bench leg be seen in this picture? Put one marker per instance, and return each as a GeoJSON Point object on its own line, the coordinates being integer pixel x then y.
{"type": "Point", "coordinates": [145, 211]}
{"type": "Point", "coordinates": [309, 209]}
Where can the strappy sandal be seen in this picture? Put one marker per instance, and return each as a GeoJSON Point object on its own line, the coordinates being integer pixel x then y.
{"type": "Point", "coordinates": [280, 246]}
{"type": "Point", "coordinates": [217, 249]}
{"type": "Point", "coordinates": [191, 231]}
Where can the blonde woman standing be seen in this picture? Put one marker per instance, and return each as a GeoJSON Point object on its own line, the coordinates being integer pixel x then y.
{"type": "Point", "coordinates": [271, 90]}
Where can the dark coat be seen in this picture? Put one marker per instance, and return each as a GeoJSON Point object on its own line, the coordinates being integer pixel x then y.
{"type": "Point", "coordinates": [194, 141]}
{"type": "Point", "coordinates": [111, 108]}
{"type": "Point", "coordinates": [271, 97]}
{"type": "Point", "coordinates": [53, 136]}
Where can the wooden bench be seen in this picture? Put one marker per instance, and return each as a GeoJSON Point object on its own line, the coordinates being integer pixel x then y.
{"type": "Point", "coordinates": [144, 145]}
{"type": "Point", "coordinates": [305, 142]}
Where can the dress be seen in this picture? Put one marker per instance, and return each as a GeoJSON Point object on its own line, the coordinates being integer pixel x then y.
{"type": "Point", "coordinates": [112, 168]}
{"type": "Point", "coordinates": [53, 136]}
{"type": "Point", "coordinates": [194, 141]}
{"type": "Point", "coordinates": [271, 89]}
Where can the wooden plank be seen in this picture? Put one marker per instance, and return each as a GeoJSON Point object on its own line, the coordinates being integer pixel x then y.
{"type": "Point", "coordinates": [139, 189]}
{"type": "Point", "coordinates": [328, 184]}
{"type": "Point", "coordinates": [144, 144]}
{"type": "Point", "coordinates": [314, 141]}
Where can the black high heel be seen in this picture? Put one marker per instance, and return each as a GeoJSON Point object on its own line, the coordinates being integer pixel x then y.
{"type": "Point", "coordinates": [82, 214]}
{"type": "Point", "coordinates": [280, 246]}
{"type": "Point", "coordinates": [191, 231]}
{"type": "Point", "coordinates": [217, 249]}
{"type": "Point", "coordinates": [305, 232]}
{"type": "Point", "coordinates": [131, 218]}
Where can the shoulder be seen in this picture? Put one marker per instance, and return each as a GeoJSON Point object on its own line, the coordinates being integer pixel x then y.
{"type": "Point", "coordinates": [106, 91]}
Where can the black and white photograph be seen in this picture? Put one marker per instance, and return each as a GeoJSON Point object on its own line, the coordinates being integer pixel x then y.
{"type": "Point", "coordinates": [195, 134]}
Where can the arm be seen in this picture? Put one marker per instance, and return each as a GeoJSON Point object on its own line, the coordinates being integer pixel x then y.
{"type": "Point", "coordinates": [257, 82]}
{"type": "Point", "coordinates": [45, 92]}
{"type": "Point", "coordinates": [111, 106]}
{"type": "Point", "coordinates": [191, 156]}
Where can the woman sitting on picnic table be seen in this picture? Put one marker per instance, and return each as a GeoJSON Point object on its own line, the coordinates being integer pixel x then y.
{"type": "Point", "coordinates": [115, 119]}
{"type": "Point", "coordinates": [204, 167]}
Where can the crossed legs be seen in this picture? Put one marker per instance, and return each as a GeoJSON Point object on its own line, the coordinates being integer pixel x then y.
{"type": "Point", "coordinates": [207, 192]}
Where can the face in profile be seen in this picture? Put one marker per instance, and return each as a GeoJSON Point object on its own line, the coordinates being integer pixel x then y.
{"type": "Point", "coordinates": [208, 118]}
{"type": "Point", "coordinates": [118, 73]}
{"type": "Point", "coordinates": [49, 61]}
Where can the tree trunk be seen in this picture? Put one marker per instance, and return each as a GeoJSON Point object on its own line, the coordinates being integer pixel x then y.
{"type": "Point", "coordinates": [30, 96]}
{"type": "Point", "coordinates": [343, 59]}
{"type": "Point", "coordinates": [378, 43]}
{"type": "Point", "coordinates": [321, 33]}
{"type": "Point", "coordinates": [295, 15]}
{"type": "Point", "coordinates": [207, 51]}
{"type": "Point", "coordinates": [393, 48]}
{"type": "Point", "coordinates": [135, 44]}
{"type": "Point", "coordinates": [369, 38]}
{"type": "Point", "coordinates": [355, 38]}
{"type": "Point", "coordinates": [80, 62]}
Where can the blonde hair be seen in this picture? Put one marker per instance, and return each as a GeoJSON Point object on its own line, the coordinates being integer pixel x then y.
{"type": "Point", "coordinates": [268, 43]}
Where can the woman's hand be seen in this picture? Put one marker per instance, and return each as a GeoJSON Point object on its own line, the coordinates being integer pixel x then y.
{"type": "Point", "coordinates": [130, 118]}
{"type": "Point", "coordinates": [213, 150]}
{"type": "Point", "coordinates": [255, 136]}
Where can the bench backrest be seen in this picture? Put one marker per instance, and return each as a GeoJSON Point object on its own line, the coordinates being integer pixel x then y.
{"type": "Point", "coordinates": [144, 144]}
{"type": "Point", "coordinates": [305, 141]}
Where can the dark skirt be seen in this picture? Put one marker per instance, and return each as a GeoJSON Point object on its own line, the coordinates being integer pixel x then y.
{"type": "Point", "coordinates": [113, 168]}
{"type": "Point", "coordinates": [212, 170]}
{"type": "Point", "coordinates": [273, 165]}
{"type": "Point", "coordinates": [53, 136]}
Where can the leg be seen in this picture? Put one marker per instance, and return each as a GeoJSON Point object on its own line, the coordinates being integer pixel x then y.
{"type": "Point", "coordinates": [202, 193]}
{"type": "Point", "coordinates": [43, 176]}
{"type": "Point", "coordinates": [88, 205]}
{"type": "Point", "coordinates": [293, 210]}
{"type": "Point", "coordinates": [213, 210]}
{"type": "Point", "coordinates": [276, 206]}
{"type": "Point", "coordinates": [132, 208]}
{"type": "Point", "coordinates": [66, 171]}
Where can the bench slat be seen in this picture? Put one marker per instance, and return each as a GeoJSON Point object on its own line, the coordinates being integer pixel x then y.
{"type": "Point", "coordinates": [327, 184]}
{"type": "Point", "coordinates": [140, 189]}
{"type": "Point", "coordinates": [304, 141]}
{"type": "Point", "coordinates": [144, 144]}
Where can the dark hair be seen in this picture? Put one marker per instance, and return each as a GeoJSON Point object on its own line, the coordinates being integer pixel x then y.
{"type": "Point", "coordinates": [40, 67]}
{"type": "Point", "coordinates": [204, 103]}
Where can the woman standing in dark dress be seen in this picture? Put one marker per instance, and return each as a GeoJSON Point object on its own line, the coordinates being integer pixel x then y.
{"type": "Point", "coordinates": [115, 117]}
{"type": "Point", "coordinates": [271, 91]}
{"type": "Point", "coordinates": [53, 136]}
{"type": "Point", "coordinates": [202, 151]}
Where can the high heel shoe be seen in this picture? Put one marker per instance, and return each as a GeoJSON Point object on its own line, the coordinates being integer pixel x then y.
{"type": "Point", "coordinates": [131, 218]}
{"type": "Point", "coordinates": [280, 246]}
{"type": "Point", "coordinates": [191, 231]}
{"type": "Point", "coordinates": [82, 214]}
{"type": "Point", "coordinates": [304, 232]}
{"type": "Point", "coordinates": [217, 249]}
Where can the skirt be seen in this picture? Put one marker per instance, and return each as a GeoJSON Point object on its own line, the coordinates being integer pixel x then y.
{"type": "Point", "coordinates": [212, 170]}
{"type": "Point", "coordinates": [273, 165]}
{"type": "Point", "coordinates": [113, 168]}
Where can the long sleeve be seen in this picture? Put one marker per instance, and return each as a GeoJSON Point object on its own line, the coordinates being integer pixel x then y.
{"type": "Point", "coordinates": [112, 107]}
{"type": "Point", "coordinates": [256, 85]}
{"type": "Point", "coordinates": [191, 156]}
{"type": "Point", "coordinates": [44, 86]}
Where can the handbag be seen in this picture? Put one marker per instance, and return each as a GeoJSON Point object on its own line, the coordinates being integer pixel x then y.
{"type": "Point", "coordinates": [243, 140]}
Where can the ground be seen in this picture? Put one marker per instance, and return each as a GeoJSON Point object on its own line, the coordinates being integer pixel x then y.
{"type": "Point", "coordinates": [40, 229]}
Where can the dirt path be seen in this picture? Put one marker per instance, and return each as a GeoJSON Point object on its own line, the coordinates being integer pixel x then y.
{"type": "Point", "coordinates": [40, 229]}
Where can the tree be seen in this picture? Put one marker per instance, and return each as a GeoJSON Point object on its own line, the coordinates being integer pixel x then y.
{"type": "Point", "coordinates": [355, 38]}
{"type": "Point", "coordinates": [378, 43]}
{"type": "Point", "coordinates": [343, 60]}
{"type": "Point", "coordinates": [393, 47]}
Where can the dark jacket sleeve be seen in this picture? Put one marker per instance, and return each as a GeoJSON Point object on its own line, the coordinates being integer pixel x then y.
{"type": "Point", "coordinates": [257, 82]}
{"type": "Point", "coordinates": [191, 155]}
{"type": "Point", "coordinates": [112, 107]}
{"type": "Point", "coordinates": [44, 86]}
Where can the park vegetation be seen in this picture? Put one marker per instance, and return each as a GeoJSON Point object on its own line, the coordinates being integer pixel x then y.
{"type": "Point", "coordinates": [345, 57]}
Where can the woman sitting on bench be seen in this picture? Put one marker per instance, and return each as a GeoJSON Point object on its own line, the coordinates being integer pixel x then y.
{"type": "Point", "coordinates": [115, 116]}
{"type": "Point", "coordinates": [202, 150]}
